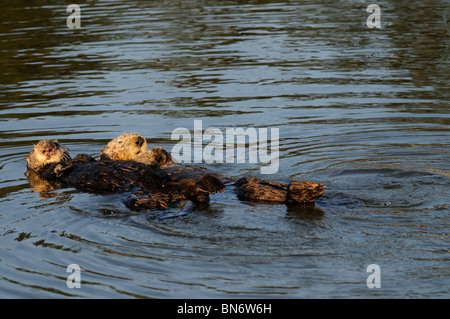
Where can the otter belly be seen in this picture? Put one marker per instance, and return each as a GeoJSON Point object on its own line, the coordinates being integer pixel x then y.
{"type": "Point", "coordinates": [111, 177]}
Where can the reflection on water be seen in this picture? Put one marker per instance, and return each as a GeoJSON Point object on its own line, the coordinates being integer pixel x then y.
{"type": "Point", "coordinates": [364, 111]}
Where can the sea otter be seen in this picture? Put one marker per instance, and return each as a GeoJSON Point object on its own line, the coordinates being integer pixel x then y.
{"type": "Point", "coordinates": [133, 147]}
{"type": "Point", "coordinates": [51, 162]}
{"type": "Point", "coordinates": [47, 152]}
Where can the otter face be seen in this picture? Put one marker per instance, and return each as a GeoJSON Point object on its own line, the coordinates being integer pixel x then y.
{"type": "Point", "coordinates": [126, 147]}
{"type": "Point", "coordinates": [47, 152]}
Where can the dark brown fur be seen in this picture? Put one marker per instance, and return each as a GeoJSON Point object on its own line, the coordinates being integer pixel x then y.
{"type": "Point", "coordinates": [103, 177]}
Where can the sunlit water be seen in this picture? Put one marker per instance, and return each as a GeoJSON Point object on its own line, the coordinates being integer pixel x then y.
{"type": "Point", "coordinates": [363, 111]}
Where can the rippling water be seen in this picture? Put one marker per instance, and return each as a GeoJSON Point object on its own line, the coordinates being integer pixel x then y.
{"type": "Point", "coordinates": [364, 111]}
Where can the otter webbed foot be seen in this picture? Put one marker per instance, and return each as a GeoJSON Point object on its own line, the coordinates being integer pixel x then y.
{"type": "Point", "coordinates": [255, 189]}
{"type": "Point", "coordinates": [304, 192]}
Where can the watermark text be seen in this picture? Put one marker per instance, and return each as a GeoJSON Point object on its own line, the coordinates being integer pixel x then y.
{"type": "Point", "coordinates": [74, 279]}
{"type": "Point", "coordinates": [229, 147]}
{"type": "Point", "coordinates": [374, 279]}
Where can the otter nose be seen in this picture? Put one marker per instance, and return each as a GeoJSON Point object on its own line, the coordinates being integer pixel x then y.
{"type": "Point", "coordinates": [140, 141]}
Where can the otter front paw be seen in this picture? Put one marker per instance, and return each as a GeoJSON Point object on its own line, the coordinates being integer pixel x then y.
{"type": "Point", "coordinates": [57, 170]}
{"type": "Point", "coordinates": [162, 156]}
{"type": "Point", "coordinates": [61, 168]}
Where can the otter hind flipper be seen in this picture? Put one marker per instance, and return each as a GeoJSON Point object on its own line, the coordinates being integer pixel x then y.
{"type": "Point", "coordinates": [199, 190]}
{"type": "Point", "coordinates": [304, 192]}
{"type": "Point", "coordinates": [255, 189]}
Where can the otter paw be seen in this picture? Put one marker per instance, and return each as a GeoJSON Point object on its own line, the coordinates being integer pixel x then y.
{"type": "Point", "coordinates": [162, 156]}
{"type": "Point", "coordinates": [59, 169]}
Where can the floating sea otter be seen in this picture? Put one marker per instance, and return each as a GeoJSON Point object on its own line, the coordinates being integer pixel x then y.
{"type": "Point", "coordinates": [52, 163]}
{"type": "Point", "coordinates": [127, 165]}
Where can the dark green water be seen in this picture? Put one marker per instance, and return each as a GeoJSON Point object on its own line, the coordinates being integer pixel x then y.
{"type": "Point", "coordinates": [364, 111]}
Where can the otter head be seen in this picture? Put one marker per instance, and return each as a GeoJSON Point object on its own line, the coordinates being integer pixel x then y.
{"type": "Point", "coordinates": [126, 147]}
{"type": "Point", "coordinates": [47, 152]}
